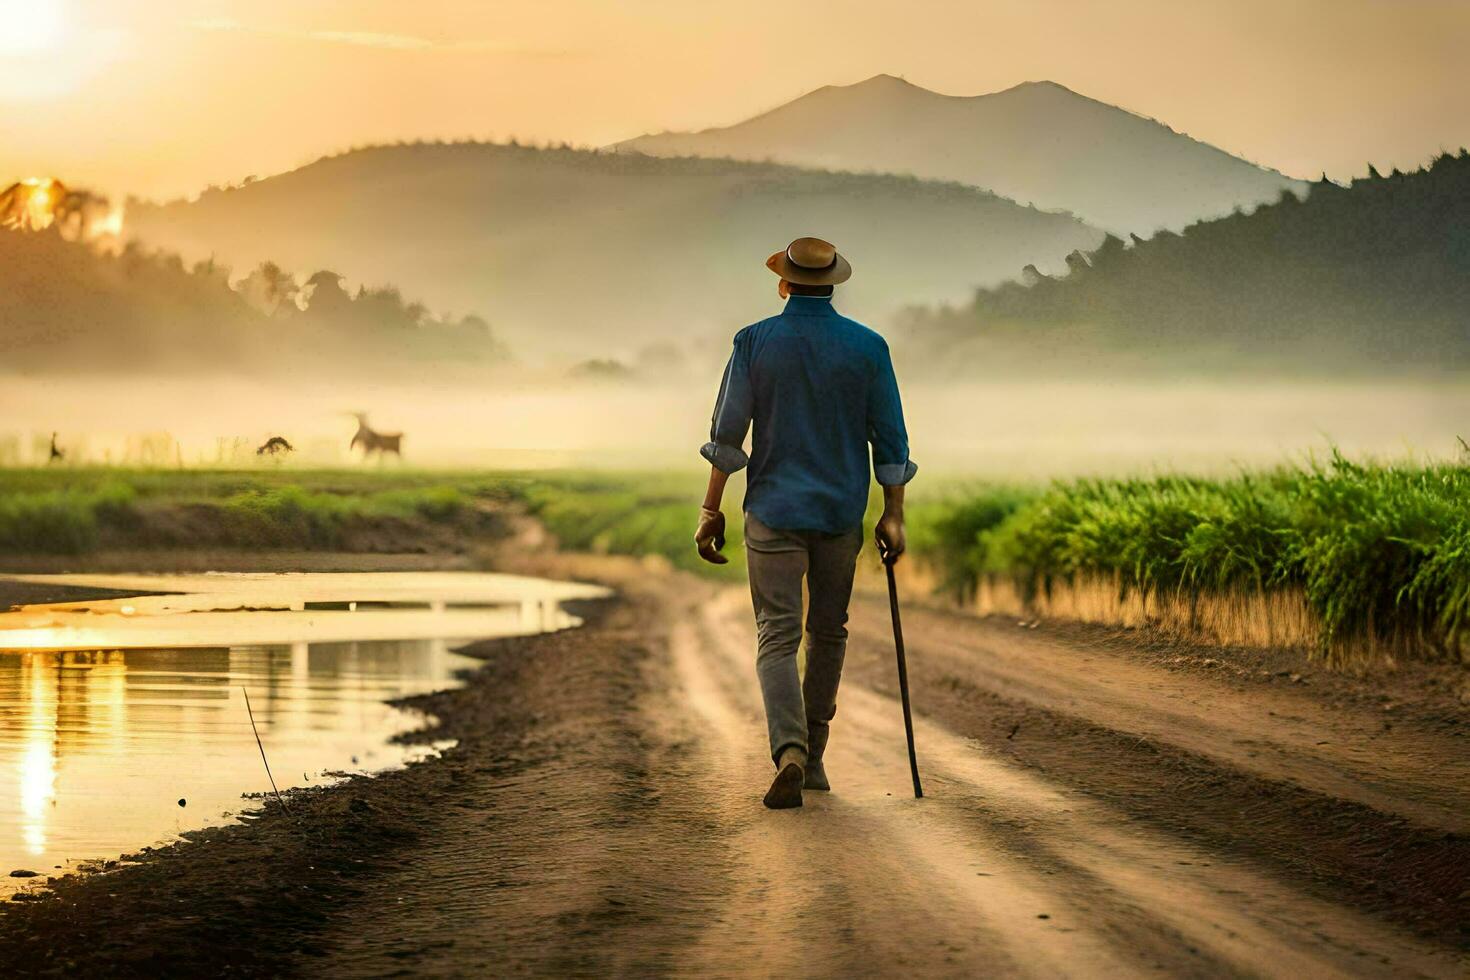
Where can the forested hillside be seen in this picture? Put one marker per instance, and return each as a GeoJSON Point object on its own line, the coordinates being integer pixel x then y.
{"type": "Point", "coordinates": [583, 252]}
{"type": "Point", "coordinates": [1375, 274]}
{"type": "Point", "coordinates": [66, 307]}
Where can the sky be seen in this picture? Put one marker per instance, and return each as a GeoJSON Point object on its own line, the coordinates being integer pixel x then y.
{"type": "Point", "coordinates": [159, 99]}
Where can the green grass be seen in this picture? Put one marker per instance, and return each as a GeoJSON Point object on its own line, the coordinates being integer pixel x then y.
{"type": "Point", "coordinates": [65, 510]}
{"type": "Point", "coordinates": [1376, 550]}
{"type": "Point", "coordinates": [60, 520]}
{"type": "Point", "coordinates": [950, 533]}
{"type": "Point", "coordinates": [70, 511]}
{"type": "Point", "coordinates": [634, 514]}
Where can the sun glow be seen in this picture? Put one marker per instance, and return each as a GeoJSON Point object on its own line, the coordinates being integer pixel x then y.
{"type": "Point", "coordinates": [40, 206]}
{"type": "Point", "coordinates": [30, 204]}
{"type": "Point", "coordinates": [31, 26]}
{"type": "Point", "coordinates": [37, 765]}
{"type": "Point", "coordinates": [37, 203]}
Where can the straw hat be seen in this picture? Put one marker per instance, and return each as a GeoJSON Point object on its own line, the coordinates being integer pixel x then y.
{"type": "Point", "coordinates": [810, 262]}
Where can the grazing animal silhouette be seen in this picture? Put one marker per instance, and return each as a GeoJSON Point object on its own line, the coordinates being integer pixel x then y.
{"type": "Point", "coordinates": [57, 454]}
{"type": "Point", "coordinates": [274, 445]}
{"type": "Point", "coordinates": [373, 441]}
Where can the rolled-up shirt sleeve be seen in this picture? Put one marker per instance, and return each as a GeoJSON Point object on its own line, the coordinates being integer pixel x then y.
{"type": "Point", "coordinates": [891, 464]}
{"type": "Point", "coordinates": [731, 420]}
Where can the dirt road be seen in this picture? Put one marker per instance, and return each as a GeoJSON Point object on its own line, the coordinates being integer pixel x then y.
{"type": "Point", "coordinates": [1090, 811]}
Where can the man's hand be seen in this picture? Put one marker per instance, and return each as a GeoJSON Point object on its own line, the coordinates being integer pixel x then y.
{"type": "Point", "coordinates": [710, 536]}
{"type": "Point", "coordinates": [889, 537]}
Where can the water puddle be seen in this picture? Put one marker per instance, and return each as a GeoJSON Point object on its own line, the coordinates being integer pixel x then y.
{"type": "Point", "coordinates": [123, 721]}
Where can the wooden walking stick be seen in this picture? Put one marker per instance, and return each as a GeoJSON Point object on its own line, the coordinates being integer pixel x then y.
{"type": "Point", "coordinates": [903, 672]}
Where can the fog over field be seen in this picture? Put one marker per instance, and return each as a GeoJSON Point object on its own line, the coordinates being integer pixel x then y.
{"type": "Point", "coordinates": [1000, 429]}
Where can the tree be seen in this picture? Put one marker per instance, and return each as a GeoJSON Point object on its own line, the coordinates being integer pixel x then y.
{"type": "Point", "coordinates": [325, 296]}
{"type": "Point", "coordinates": [270, 289]}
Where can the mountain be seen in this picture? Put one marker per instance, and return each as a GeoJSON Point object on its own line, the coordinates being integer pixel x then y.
{"type": "Point", "coordinates": [69, 308]}
{"type": "Point", "coordinates": [1038, 142]}
{"type": "Point", "coordinates": [580, 251]}
{"type": "Point", "coordinates": [1373, 276]}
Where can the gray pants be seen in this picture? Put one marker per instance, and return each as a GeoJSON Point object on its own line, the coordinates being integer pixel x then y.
{"type": "Point", "coordinates": [799, 712]}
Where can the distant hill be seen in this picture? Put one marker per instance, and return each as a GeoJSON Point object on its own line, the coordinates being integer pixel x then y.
{"type": "Point", "coordinates": [66, 308]}
{"type": "Point", "coordinates": [588, 252]}
{"type": "Point", "coordinates": [1037, 143]}
{"type": "Point", "coordinates": [1372, 276]}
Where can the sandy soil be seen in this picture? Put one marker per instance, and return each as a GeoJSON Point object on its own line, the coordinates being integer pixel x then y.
{"type": "Point", "coordinates": [1094, 806]}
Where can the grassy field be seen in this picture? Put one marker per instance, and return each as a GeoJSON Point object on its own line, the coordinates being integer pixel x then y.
{"type": "Point", "coordinates": [1372, 551]}
{"type": "Point", "coordinates": [76, 510]}
{"type": "Point", "coordinates": [1376, 551]}
{"type": "Point", "coordinates": [70, 511]}
{"type": "Point", "coordinates": [634, 515]}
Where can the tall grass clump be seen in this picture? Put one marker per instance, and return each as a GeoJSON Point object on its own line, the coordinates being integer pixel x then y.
{"type": "Point", "coordinates": [1379, 553]}
{"type": "Point", "coordinates": [951, 533]}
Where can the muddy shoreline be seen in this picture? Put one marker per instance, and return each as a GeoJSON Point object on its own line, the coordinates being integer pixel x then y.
{"type": "Point", "coordinates": [13, 593]}
{"type": "Point", "coordinates": [249, 899]}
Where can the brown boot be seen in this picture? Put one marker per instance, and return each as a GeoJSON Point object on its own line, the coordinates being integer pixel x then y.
{"type": "Point", "coordinates": [785, 791]}
{"type": "Point", "coordinates": [816, 745]}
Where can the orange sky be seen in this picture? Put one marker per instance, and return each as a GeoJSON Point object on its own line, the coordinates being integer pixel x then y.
{"type": "Point", "coordinates": [160, 98]}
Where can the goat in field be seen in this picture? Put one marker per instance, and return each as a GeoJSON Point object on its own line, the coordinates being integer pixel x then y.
{"type": "Point", "coordinates": [373, 441]}
{"type": "Point", "coordinates": [275, 445]}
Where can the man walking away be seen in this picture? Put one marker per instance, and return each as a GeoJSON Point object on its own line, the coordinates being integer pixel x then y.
{"type": "Point", "coordinates": [819, 388]}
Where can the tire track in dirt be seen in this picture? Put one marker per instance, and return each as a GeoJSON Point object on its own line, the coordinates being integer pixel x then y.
{"type": "Point", "coordinates": [1337, 849]}
{"type": "Point", "coordinates": [1129, 899]}
{"type": "Point", "coordinates": [838, 887]}
{"type": "Point", "coordinates": [1346, 752]}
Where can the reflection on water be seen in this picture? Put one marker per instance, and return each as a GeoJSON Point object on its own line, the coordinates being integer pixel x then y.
{"type": "Point", "coordinates": [99, 746]}
{"type": "Point", "coordinates": [103, 745]}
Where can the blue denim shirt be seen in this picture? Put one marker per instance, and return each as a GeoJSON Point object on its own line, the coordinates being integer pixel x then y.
{"type": "Point", "coordinates": [819, 389]}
